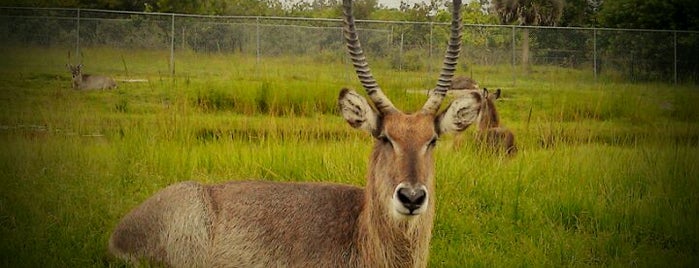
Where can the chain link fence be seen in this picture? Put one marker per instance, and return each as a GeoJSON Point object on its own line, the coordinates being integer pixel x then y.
{"type": "Point", "coordinates": [628, 54]}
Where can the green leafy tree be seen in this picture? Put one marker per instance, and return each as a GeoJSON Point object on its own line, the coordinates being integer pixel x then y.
{"type": "Point", "coordinates": [314, 9]}
{"type": "Point", "coordinates": [178, 6]}
{"type": "Point", "coordinates": [475, 13]}
{"type": "Point", "coordinates": [478, 41]}
{"type": "Point", "coordinates": [580, 13]}
{"type": "Point", "coordinates": [650, 14]}
{"type": "Point", "coordinates": [364, 8]}
{"type": "Point", "coordinates": [388, 15]}
{"type": "Point", "coordinates": [251, 7]}
{"type": "Point", "coordinates": [530, 13]}
{"type": "Point", "coordinates": [645, 55]}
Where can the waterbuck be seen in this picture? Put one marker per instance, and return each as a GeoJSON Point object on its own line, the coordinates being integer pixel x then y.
{"type": "Point", "coordinates": [388, 223]}
{"type": "Point", "coordinates": [464, 83]}
{"type": "Point", "coordinates": [86, 81]}
{"type": "Point", "coordinates": [490, 132]}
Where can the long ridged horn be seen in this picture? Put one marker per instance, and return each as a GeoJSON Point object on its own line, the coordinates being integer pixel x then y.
{"type": "Point", "coordinates": [450, 61]}
{"type": "Point", "coordinates": [361, 66]}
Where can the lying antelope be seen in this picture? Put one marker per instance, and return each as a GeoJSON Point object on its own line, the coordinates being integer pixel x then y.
{"type": "Point", "coordinates": [490, 132]}
{"type": "Point", "coordinates": [464, 83]}
{"type": "Point", "coordinates": [86, 81]}
{"type": "Point", "coordinates": [460, 85]}
{"type": "Point", "coordinates": [388, 223]}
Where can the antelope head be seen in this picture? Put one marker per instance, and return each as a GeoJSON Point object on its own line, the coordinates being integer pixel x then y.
{"type": "Point", "coordinates": [488, 116]}
{"type": "Point", "coordinates": [76, 74]}
{"type": "Point", "coordinates": [401, 171]}
{"type": "Point", "coordinates": [75, 70]}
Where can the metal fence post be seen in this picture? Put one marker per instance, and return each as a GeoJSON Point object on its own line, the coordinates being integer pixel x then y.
{"type": "Point", "coordinates": [172, 46]}
{"type": "Point", "coordinates": [514, 55]}
{"type": "Point", "coordinates": [390, 38]}
{"type": "Point", "coordinates": [400, 52]}
{"type": "Point", "coordinates": [594, 53]}
{"type": "Point", "coordinates": [257, 33]}
{"type": "Point", "coordinates": [77, 36]}
{"type": "Point", "coordinates": [429, 65]}
{"type": "Point", "coordinates": [675, 55]}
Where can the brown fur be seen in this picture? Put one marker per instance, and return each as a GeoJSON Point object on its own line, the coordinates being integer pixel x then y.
{"type": "Point", "coordinates": [490, 132]}
{"type": "Point", "coordinates": [388, 223]}
{"type": "Point", "coordinates": [271, 224]}
{"type": "Point", "coordinates": [412, 236]}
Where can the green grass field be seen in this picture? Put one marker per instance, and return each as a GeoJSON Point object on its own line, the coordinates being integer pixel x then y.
{"type": "Point", "coordinates": [606, 175]}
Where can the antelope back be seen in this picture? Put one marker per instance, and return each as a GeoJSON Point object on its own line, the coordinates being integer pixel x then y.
{"type": "Point", "coordinates": [498, 139]}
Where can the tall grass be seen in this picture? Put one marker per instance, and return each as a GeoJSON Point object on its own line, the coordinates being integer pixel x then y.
{"type": "Point", "coordinates": [605, 176]}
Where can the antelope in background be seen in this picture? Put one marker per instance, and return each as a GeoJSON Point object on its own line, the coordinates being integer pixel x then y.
{"type": "Point", "coordinates": [388, 223]}
{"type": "Point", "coordinates": [460, 85]}
{"type": "Point", "coordinates": [86, 81]}
{"type": "Point", "coordinates": [464, 83]}
{"type": "Point", "coordinates": [490, 132]}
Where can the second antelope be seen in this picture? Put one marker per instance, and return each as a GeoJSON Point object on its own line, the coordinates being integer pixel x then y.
{"type": "Point", "coordinates": [490, 132]}
{"type": "Point", "coordinates": [387, 223]}
{"type": "Point", "coordinates": [464, 83]}
{"type": "Point", "coordinates": [86, 81]}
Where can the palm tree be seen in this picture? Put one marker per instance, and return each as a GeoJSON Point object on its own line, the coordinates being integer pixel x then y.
{"type": "Point", "coordinates": [530, 13]}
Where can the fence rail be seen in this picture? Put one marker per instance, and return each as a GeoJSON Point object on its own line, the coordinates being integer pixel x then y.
{"type": "Point", "coordinates": [634, 54]}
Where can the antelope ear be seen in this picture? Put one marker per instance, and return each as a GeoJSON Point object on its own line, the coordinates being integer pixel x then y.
{"type": "Point", "coordinates": [357, 111]}
{"type": "Point", "coordinates": [497, 93]}
{"type": "Point", "coordinates": [460, 114]}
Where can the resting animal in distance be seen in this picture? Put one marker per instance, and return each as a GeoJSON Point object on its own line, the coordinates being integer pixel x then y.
{"type": "Point", "coordinates": [461, 85]}
{"type": "Point", "coordinates": [387, 223]}
{"type": "Point", "coordinates": [86, 81]}
{"type": "Point", "coordinates": [490, 132]}
{"type": "Point", "coordinates": [464, 83]}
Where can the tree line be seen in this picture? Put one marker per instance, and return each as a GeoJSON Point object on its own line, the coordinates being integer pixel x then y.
{"type": "Point", "coordinates": [642, 14]}
{"type": "Point", "coordinates": [638, 55]}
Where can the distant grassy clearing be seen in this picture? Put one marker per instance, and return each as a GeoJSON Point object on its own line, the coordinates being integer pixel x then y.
{"type": "Point", "coordinates": [606, 176]}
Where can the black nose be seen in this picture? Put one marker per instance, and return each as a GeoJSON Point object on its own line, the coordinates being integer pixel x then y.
{"type": "Point", "coordinates": [412, 198]}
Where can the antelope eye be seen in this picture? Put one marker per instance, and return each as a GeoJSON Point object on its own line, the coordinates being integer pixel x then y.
{"type": "Point", "coordinates": [433, 142]}
{"type": "Point", "coordinates": [384, 139]}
